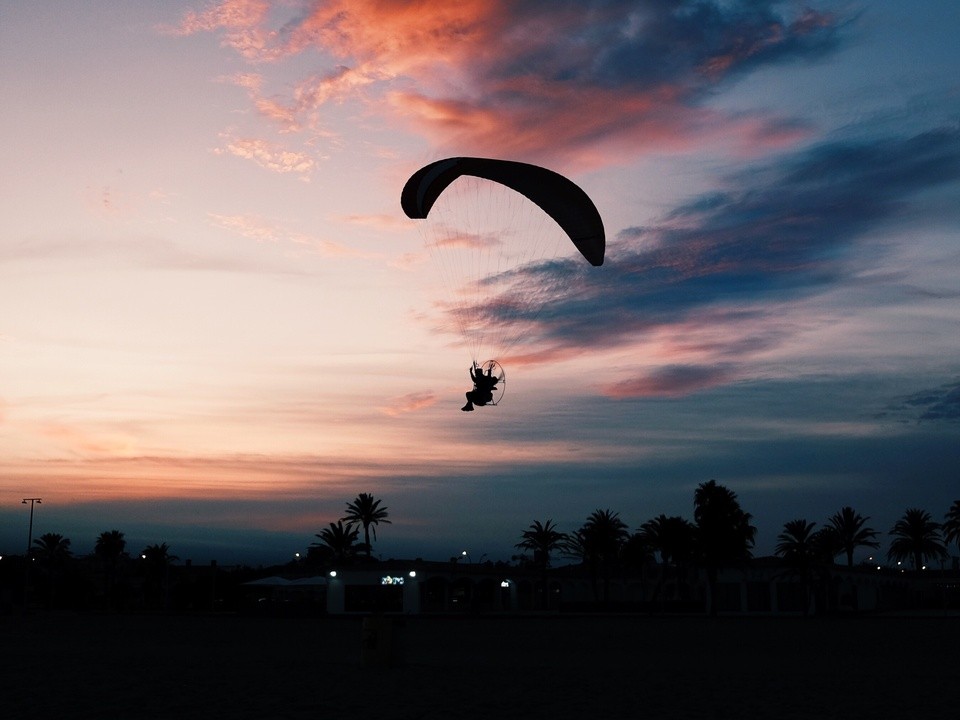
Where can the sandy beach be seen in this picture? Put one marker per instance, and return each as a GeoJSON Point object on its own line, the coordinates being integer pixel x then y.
{"type": "Point", "coordinates": [129, 666]}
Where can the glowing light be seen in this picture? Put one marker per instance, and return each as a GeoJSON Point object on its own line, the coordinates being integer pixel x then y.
{"type": "Point", "coordinates": [504, 583]}
{"type": "Point", "coordinates": [333, 573]}
{"type": "Point", "coordinates": [413, 573]}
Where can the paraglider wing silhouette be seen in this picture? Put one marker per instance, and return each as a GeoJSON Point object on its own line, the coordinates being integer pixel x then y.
{"type": "Point", "coordinates": [560, 198]}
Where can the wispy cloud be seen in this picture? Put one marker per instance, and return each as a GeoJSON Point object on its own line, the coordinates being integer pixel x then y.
{"type": "Point", "coordinates": [240, 20]}
{"type": "Point", "coordinates": [596, 78]}
{"type": "Point", "coordinates": [784, 229]}
{"type": "Point", "coordinates": [671, 381]}
{"type": "Point", "coordinates": [262, 230]}
{"type": "Point", "coordinates": [157, 253]}
{"type": "Point", "coordinates": [411, 402]}
{"type": "Point", "coordinates": [268, 155]}
{"type": "Point", "coordinates": [939, 404]}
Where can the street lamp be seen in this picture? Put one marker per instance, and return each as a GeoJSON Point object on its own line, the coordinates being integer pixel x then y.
{"type": "Point", "coordinates": [26, 577]}
{"type": "Point", "coordinates": [32, 501]}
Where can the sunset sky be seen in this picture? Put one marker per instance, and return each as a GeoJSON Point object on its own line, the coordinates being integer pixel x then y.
{"type": "Point", "coordinates": [217, 326]}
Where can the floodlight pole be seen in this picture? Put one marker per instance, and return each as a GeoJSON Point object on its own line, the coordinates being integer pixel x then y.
{"type": "Point", "coordinates": [32, 501]}
{"type": "Point", "coordinates": [26, 582]}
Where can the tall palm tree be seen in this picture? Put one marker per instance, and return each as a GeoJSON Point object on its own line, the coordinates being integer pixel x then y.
{"type": "Point", "coordinates": [724, 533]}
{"type": "Point", "coordinates": [951, 525]}
{"type": "Point", "coordinates": [673, 537]}
{"type": "Point", "coordinates": [367, 512]}
{"type": "Point", "coordinates": [602, 536]}
{"type": "Point", "coordinates": [109, 548]}
{"type": "Point", "coordinates": [638, 555]}
{"type": "Point", "coordinates": [826, 546]}
{"type": "Point", "coordinates": [797, 546]}
{"type": "Point", "coordinates": [542, 539]}
{"type": "Point", "coordinates": [917, 536]}
{"type": "Point", "coordinates": [339, 541]}
{"type": "Point", "coordinates": [850, 533]}
{"type": "Point", "coordinates": [52, 551]}
{"type": "Point", "coordinates": [51, 548]}
{"type": "Point", "coordinates": [110, 545]}
{"type": "Point", "coordinates": [158, 560]}
{"type": "Point", "coordinates": [579, 546]}
{"type": "Point", "coordinates": [158, 555]}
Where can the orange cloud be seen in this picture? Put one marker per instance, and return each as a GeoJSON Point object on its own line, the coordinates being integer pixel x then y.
{"type": "Point", "coordinates": [400, 36]}
{"type": "Point", "coordinates": [86, 443]}
{"type": "Point", "coordinates": [269, 156]}
{"type": "Point", "coordinates": [490, 76]}
{"type": "Point", "coordinates": [242, 21]}
{"type": "Point", "coordinates": [411, 402]}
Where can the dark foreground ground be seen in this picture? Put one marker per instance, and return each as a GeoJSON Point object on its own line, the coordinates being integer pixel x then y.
{"type": "Point", "coordinates": [131, 667]}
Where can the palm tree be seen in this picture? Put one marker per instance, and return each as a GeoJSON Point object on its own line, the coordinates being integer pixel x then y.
{"type": "Point", "coordinates": [724, 533]}
{"type": "Point", "coordinates": [158, 560]}
{"type": "Point", "coordinates": [951, 525]}
{"type": "Point", "coordinates": [339, 541]}
{"type": "Point", "coordinates": [110, 545]}
{"type": "Point", "coordinates": [542, 540]}
{"type": "Point", "coordinates": [601, 538]}
{"type": "Point", "coordinates": [158, 555]}
{"type": "Point", "coordinates": [579, 546]}
{"type": "Point", "coordinates": [110, 549]}
{"type": "Point", "coordinates": [52, 550]}
{"type": "Point", "coordinates": [848, 526]}
{"type": "Point", "coordinates": [672, 537]}
{"type": "Point", "coordinates": [917, 536]}
{"type": "Point", "coordinates": [797, 546]}
{"type": "Point", "coordinates": [826, 546]}
{"type": "Point", "coordinates": [366, 511]}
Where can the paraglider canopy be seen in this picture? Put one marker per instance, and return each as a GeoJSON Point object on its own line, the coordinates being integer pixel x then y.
{"type": "Point", "coordinates": [560, 198]}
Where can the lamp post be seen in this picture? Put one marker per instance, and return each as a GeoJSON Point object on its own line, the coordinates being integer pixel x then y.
{"type": "Point", "coordinates": [32, 501]}
{"type": "Point", "coordinates": [26, 581]}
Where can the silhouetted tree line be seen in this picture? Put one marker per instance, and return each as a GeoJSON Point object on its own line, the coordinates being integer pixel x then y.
{"type": "Point", "coordinates": [664, 549]}
{"type": "Point", "coordinates": [721, 536]}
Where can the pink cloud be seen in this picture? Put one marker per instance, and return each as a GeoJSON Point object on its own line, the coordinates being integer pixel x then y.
{"type": "Point", "coordinates": [242, 22]}
{"type": "Point", "coordinates": [470, 241]}
{"type": "Point", "coordinates": [269, 156]}
{"type": "Point", "coordinates": [400, 36]}
{"type": "Point", "coordinates": [89, 443]}
{"type": "Point", "coordinates": [671, 381]}
{"type": "Point", "coordinates": [592, 125]}
{"type": "Point", "coordinates": [519, 80]}
{"type": "Point", "coordinates": [410, 402]}
{"type": "Point", "coordinates": [256, 228]}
